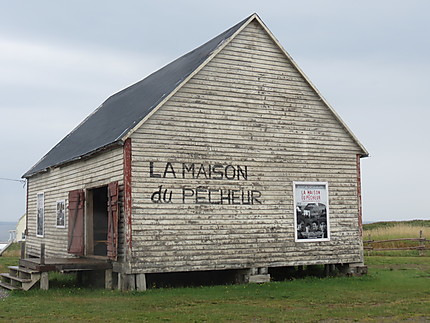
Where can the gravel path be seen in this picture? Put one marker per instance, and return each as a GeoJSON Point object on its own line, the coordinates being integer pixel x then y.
{"type": "Point", "coordinates": [3, 293]}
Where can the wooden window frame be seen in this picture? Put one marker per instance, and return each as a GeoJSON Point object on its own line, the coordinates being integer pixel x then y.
{"type": "Point", "coordinates": [38, 207]}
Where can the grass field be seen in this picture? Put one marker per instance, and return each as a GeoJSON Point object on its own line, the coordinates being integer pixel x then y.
{"type": "Point", "coordinates": [9, 257]}
{"type": "Point", "coordinates": [397, 288]}
{"type": "Point", "coordinates": [420, 224]}
{"type": "Point", "coordinates": [396, 230]}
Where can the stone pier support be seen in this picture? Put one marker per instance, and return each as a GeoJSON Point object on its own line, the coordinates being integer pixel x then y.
{"type": "Point", "coordinates": [131, 282]}
{"type": "Point", "coordinates": [253, 275]}
{"type": "Point", "coordinates": [44, 280]}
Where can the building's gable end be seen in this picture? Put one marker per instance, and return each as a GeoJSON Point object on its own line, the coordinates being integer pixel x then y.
{"type": "Point", "coordinates": [253, 69]}
{"type": "Point", "coordinates": [267, 36]}
{"type": "Point", "coordinates": [214, 166]}
{"type": "Point", "coordinates": [364, 152]}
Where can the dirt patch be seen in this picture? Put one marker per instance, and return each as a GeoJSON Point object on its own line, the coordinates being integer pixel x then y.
{"type": "Point", "coordinates": [423, 267]}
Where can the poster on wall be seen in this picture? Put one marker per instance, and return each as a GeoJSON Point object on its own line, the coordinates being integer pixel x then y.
{"type": "Point", "coordinates": [61, 214]}
{"type": "Point", "coordinates": [311, 211]}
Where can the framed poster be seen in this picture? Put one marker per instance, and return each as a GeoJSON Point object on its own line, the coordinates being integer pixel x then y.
{"type": "Point", "coordinates": [61, 214]}
{"type": "Point", "coordinates": [311, 211]}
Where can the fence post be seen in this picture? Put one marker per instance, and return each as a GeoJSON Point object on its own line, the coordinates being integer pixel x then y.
{"type": "Point", "coordinates": [42, 253]}
{"type": "Point", "coordinates": [421, 251]}
{"type": "Point", "coordinates": [370, 245]}
{"type": "Point", "coordinates": [22, 249]}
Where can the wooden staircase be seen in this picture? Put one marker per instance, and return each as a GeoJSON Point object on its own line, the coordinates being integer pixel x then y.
{"type": "Point", "coordinates": [19, 278]}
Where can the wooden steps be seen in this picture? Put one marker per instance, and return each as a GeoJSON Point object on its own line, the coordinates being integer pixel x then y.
{"type": "Point", "coordinates": [19, 278]}
{"type": "Point", "coordinates": [7, 286]}
{"type": "Point", "coordinates": [32, 271]}
{"type": "Point", "coordinates": [22, 270]}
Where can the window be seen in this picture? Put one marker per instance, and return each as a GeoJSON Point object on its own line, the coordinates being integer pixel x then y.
{"type": "Point", "coordinates": [40, 220]}
{"type": "Point", "coordinates": [61, 214]}
{"type": "Point", "coordinates": [311, 211]}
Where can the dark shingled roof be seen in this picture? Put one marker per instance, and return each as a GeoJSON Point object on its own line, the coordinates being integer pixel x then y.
{"type": "Point", "coordinates": [120, 113]}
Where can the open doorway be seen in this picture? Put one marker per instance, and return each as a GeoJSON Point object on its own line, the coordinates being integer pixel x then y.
{"type": "Point", "coordinates": [100, 220]}
{"type": "Point", "coordinates": [95, 231]}
{"type": "Point", "coordinates": [102, 213]}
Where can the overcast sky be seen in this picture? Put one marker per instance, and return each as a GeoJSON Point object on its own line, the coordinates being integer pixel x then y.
{"type": "Point", "coordinates": [59, 60]}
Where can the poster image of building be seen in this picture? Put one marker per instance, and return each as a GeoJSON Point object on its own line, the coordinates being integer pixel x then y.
{"type": "Point", "coordinates": [61, 210]}
{"type": "Point", "coordinates": [311, 211]}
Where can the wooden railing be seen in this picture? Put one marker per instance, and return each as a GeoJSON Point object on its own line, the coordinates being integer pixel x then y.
{"type": "Point", "coordinates": [422, 244]}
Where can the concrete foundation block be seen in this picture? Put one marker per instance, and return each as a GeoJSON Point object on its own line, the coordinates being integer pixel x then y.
{"type": "Point", "coordinates": [357, 269]}
{"type": "Point", "coordinates": [108, 279]}
{"type": "Point", "coordinates": [44, 281]}
{"type": "Point", "coordinates": [140, 282]}
{"type": "Point", "coordinates": [259, 279]}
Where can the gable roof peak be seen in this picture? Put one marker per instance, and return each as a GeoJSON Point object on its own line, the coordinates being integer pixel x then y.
{"type": "Point", "coordinates": [122, 113]}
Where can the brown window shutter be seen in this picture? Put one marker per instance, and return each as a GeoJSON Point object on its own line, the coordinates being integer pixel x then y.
{"type": "Point", "coordinates": [76, 222]}
{"type": "Point", "coordinates": [113, 215]}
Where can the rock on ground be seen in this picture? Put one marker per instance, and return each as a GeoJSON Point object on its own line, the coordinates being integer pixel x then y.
{"type": "Point", "coordinates": [3, 293]}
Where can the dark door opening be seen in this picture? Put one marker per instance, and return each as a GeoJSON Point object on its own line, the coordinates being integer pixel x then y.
{"type": "Point", "coordinates": [100, 220]}
{"type": "Point", "coordinates": [102, 213]}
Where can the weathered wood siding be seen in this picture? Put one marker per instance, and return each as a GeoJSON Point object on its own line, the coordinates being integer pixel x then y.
{"type": "Point", "coordinates": [96, 171]}
{"type": "Point", "coordinates": [248, 106]}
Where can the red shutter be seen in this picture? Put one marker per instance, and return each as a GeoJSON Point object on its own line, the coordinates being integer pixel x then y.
{"type": "Point", "coordinates": [76, 222]}
{"type": "Point", "coordinates": [113, 214]}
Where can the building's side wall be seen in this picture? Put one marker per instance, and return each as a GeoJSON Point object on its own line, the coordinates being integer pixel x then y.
{"type": "Point", "coordinates": [250, 107]}
{"type": "Point", "coordinates": [99, 170]}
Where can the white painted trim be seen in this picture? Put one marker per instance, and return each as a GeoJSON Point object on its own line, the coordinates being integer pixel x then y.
{"type": "Point", "coordinates": [327, 212]}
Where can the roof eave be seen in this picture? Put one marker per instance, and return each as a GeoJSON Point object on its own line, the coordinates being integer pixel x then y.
{"type": "Point", "coordinates": [112, 145]}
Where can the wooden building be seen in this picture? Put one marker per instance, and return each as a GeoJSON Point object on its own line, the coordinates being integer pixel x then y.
{"type": "Point", "coordinates": [226, 158]}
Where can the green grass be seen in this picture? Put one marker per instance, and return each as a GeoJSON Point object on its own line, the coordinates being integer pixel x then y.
{"type": "Point", "coordinates": [10, 257]}
{"type": "Point", "coordinates": [14, 250]}
{"type": "Point", "coordinates": [7, 261]}
{"type": "Point", "coordinates": [397, 288]}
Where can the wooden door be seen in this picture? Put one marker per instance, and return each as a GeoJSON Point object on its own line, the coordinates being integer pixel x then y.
{"type": "Point", "coordinates": [76, 222]}
{"type": "Point", "coordinates": [113, 214]}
